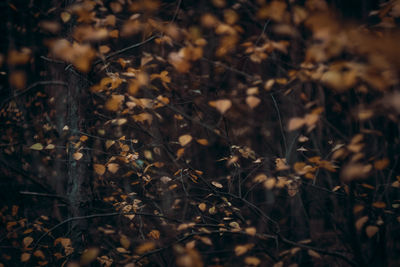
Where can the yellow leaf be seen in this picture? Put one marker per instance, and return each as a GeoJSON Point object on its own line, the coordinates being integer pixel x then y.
{"type": "Point", "coordinates": [212, 210]}
{"type": "Point", "coordinates": [221, 105]}
{"type": "Point", "coordinates": [65, 16]}
{"type": "Point", "coordinates": [50, 146]}
{"type": "Point", "coordinates": [295, 123]}
{"type": "Point", "coordinates": [27, 241]}
{"type": "Point", "coordinates": [89, 255]}
{"type": "Point", "coordinates": [252, 261]}
{"type": "Point", "coordinates": [252, 101]}
{"type": "Point", "coordinates": [185, 139]}
{"type": "Point", "coordinates": [202, 207]}
{"type": "Point", "coordinates": [203, 142]}
{"type": "Point", "coordinates": [37, 146]}
{"type": "Point", "coordinates": [371, 230]}
{"type": "Point", "coordinates": [99, 169]}
{"type": "Point", "coordinates": [25, 257]}
{"type": "Point", "coordinates": [83, 138]}
{"type": "Point", "coordinates": [77, 155]}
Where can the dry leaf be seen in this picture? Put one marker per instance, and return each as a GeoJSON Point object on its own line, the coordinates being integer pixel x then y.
{"type": "Point", "coordinates": [125, 242]}
{"type": "Point", "coordinates": [379, 205]}
{"type": "Point", "coordinates": [270, 183]}
{"type": "Point", "coordinates": [355, 171]}
{"type": "Point", "coordinates": [114, 103]}
{"type": "Point", "coordinates": [251, 231]}
{"type": "Point", "coordinates": [295, 123]}
{"type": "Point", "coordinates": [99, 169]}
{"type": "Point", "coordinates": [216, 184]}
{"type": "Point", "coordinates": [25, 257]}
{"type": "Point", "coordinates": [360, 222]}
{"type": "Point", "coordinates": [185, 139]}
{"type": "Point", "coordinates": [241, 249]}
{"type": "Point", "coordinates": [27, 241]}
{"type": "Point", "coordinates": [39, 254]}
{"type": "Point", "coordinates": [37, 146]}
{"type": "Point", "coordinates": [381, 164]}
{"type": "Point", "coordinates": [313, 253]}
{"type": "Point", "coordinates": [203, 142]}
{"type": "Point", "coordinates": [145, 247]}
{"type": "Point", "coordinates": [371, 230]}
{"type": "Point", "coordinates": [89, 255]}
{"type": "Point", "coordinates": [202, 207]}
{"type": "Point", "coordinates": [221, 105]}
{"type": "Point", "coordinates": [154, 234]}
{"type": "Point", "coordinates": [281, 164]}
{"type": "Point", "coordinates": [65, 16]}
{"type": "Point", "coordinates": [252, 101]}
{"type": "Point", "coordinates": [112, 167]}
{"type": "Point", "coordinates": [77, 155]}
{"type": "Point", "coordinates": [252, 261]}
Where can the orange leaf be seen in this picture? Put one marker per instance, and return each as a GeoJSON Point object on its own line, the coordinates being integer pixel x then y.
{"type": "Point", "coordinates": [203, 142]}
{"type": "Point", "coordinates": [114, 103]}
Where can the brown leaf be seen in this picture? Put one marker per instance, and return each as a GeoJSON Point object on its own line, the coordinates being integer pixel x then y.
{"type": "Point", "coordinates": [185, 139]}
{"type": "Point", "coordinates": [27, 241]}
{"type": "Point", "coordinates": [77, 155]}
{"type": "Point", "coordinates": [295, 123]}
{"type": "Point", "coordinates": [252, 101]}
{"type": "Point", "coordinates": [252, 261]}
{"type": "Point", "coordinates": [216, 184]}
{"type": "Point", "coordinates": [360, 222]}
{"type": "Point", "coordinates": [25, 257]}
{"type": "Point", "coordinates": [221, 105]}
{"type": "Point", "coordinates": [202, 207]}
{"type": "Point", "coordinates": [154, 234]}
{"type": "Point", "coordinates": [203, 142]}
{"type": "Point", "coordinates": [371, 230]}
{"type": "Point", "coordinates": [114, 103]}
{"type": "Point", "coordinates": [99, 169]}
{"type": "Point", "coordinates": [145, 247]}
{"type": "Point", "coordinates": [125, 242]}
{"type": "Point", "coordinates": [89, 255]}
{"type": "Point", "coordinates": [112, 167]}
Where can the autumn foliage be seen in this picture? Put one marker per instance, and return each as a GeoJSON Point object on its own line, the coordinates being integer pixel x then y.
{"type": "Point", "coordinates": [199, 133]}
